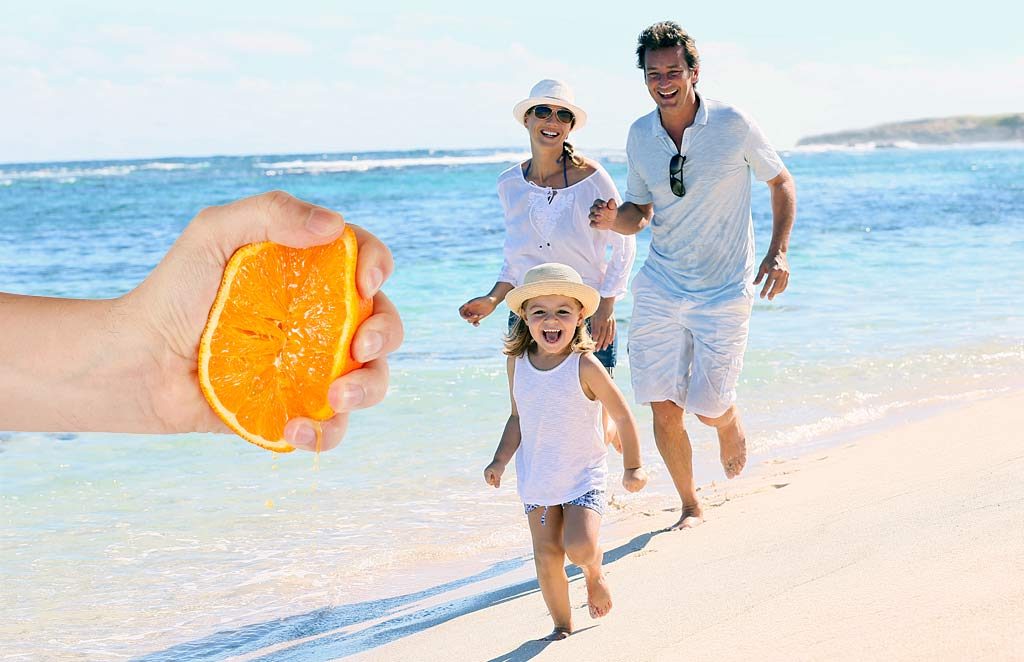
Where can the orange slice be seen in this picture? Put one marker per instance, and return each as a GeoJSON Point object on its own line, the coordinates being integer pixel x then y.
{"type": "Point", "coordinates": [279, 332]}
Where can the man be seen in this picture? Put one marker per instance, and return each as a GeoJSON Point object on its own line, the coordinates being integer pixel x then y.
{"type": "Point", "coordinates": [689, 179]}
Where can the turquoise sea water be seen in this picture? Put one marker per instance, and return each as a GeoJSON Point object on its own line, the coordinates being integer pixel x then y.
{"type": "Point", "coordinates": [906, 293]}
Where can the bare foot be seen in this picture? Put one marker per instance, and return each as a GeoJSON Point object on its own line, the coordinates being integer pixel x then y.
{"type": "Point", "coordinates": [557, 635]}
{"type": "Point", "coordinates": [692, 516]}
{"type": "Point", "coordinates": [599, 597]}
{"type": "Point", "coordinates": [732, 444]}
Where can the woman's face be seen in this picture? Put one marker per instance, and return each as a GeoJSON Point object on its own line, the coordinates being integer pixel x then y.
{"type": "Point", "coordinates": [547, 126]}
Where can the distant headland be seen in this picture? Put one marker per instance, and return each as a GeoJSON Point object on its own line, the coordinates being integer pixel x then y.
{"type": "Point", "coordinates": [1008, 127]}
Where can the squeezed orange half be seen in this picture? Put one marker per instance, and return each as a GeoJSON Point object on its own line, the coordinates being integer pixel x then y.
{"type": "Point", "coordinates": [279, 332]}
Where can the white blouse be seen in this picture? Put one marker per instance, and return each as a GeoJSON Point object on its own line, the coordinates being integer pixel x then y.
{"type": "Point", "coordinates": [544, 224]}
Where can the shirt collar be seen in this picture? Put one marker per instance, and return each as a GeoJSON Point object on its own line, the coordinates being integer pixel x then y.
{"type": "Point", "coordinates": [700, 119]}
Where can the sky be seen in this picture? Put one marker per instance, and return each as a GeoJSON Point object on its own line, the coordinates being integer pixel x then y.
{"type": "Point", "coordinates": [108, 80]}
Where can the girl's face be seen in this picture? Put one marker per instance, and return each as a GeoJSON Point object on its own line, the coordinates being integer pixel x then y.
{"type": "Point", "coordinates": [552, 320]}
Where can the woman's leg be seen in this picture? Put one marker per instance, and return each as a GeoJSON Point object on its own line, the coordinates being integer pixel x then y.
{"type": "Point", "coordinates": [549, 557]}
{"type": "Point", "coordinates": [582, 529]}
{"type": "Point", "coordinates": [607, 357]}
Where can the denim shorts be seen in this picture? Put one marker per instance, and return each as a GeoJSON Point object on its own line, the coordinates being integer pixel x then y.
{"type": "Point", "coordinates": [594, 499]}
{"type": "Point", "coordinates": [607, 356]}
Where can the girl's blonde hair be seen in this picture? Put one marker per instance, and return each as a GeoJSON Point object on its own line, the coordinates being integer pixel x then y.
{"type": "Point", "coordinates": [519, 341]}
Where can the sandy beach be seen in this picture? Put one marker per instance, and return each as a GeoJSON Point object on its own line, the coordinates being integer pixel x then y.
{"type": "Point", "coordinates": [903, 544]}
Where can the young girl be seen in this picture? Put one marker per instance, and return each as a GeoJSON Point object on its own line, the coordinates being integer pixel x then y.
{"type": "Point", "coordinates": [546, 200]}
{"type": "Point", "coordinates": [558, 390]}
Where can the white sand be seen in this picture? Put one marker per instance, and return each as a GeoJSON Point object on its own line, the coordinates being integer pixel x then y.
{"type": "Point", "coordinates": [903, 545]}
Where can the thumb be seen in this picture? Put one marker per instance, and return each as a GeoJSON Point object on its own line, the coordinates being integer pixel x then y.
{"type": "Point", "coordinates": [275, 216]}
{"type": "Point", "coordinates": [612, 205]}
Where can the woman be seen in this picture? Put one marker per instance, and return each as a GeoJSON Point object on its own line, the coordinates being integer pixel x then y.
{"type": "Point", "coordinates": [547, 203]}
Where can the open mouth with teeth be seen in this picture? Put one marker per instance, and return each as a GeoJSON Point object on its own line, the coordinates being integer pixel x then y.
{"type": "Point", "coordinates": [551, 335]}
{"type": "Point", "coordinates": [549, 134]}
{"type": "Point", "coordinates": [669, 94]}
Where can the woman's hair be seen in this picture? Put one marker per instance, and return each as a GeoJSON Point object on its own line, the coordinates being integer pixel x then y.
{"type": "Point", "coordinates": [570, 155]}
{"type": "Point", "coordinates": [568, 151]}
{"type": "Point", "coordinates": [519, 341]}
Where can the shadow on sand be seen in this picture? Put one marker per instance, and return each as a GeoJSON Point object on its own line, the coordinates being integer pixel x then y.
{"type": "Point", "coordinates": [316, 627]}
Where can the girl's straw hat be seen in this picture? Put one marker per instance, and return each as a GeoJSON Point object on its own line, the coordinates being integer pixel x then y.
{"type": "Point", "coordinates": [550, 92]}
{"type": "Point", "coordinates": [553, 278]}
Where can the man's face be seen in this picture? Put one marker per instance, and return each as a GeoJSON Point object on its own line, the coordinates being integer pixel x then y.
{"type": "Point", "coordinates": [669, 81]}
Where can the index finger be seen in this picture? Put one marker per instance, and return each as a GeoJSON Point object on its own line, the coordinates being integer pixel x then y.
{"type": "Point", "coordinates": [781, 283]}
{"type": "Point", "coordinates": [375, 264]}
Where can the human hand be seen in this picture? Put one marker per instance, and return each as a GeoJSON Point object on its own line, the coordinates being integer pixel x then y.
{"type": "Point", "coordinates": [634, 479]}
{"type": "Point", "coordinates": [493, 472]}
{"type": "Point", "coordinates": [776, 268]}
{"type": "Point", "coordinates": [475, 310]}
{"type": "Point", "coordinates": [172, 305]}
{"type": "Point", "coordinates": [603, 214]}
{"type": "Point", "coordinates": [602, 323]}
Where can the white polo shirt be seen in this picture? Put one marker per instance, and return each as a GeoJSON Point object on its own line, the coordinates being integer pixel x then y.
{"type": "Point", "coordinates": [702, 244]}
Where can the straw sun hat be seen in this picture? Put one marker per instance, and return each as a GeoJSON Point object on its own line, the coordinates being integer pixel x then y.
{"type": "Point", "coordinates": [553, 278]}
{"type": "Point", "coordinates": [554, 93]}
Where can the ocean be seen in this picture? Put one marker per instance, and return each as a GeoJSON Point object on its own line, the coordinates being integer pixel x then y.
{"type": "Point", "coordinates": [905, 296]}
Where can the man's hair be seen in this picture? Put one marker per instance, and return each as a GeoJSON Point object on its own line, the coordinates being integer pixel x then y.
{"type": "Point", "coordinates": [666, 34]}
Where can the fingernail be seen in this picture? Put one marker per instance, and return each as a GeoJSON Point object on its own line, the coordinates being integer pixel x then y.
{"type": "Point", "coordinates": [371, 345]}
{"type": "Point", "coordinates": [323, 222]}
{"type": "Point", "coordinates": [305, 436]}
{"type": "Point", "coordinates": [351, 396]}
{"type": "Point", "coordinates": [376, 278]}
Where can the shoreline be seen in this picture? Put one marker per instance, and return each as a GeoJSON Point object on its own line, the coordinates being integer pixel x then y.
{"type": "Point", "coordinates": [787, 564]}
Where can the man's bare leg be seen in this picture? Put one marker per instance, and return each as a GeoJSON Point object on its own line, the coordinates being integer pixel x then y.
{"type": "Point", "coordinates": [676, 451]}
{"type": "Point", "coordinates": [732, 440]}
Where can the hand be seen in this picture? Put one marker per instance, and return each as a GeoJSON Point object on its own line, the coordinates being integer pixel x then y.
{"type": "Point", "coordinates": [602, 323]}
{"type": "Point", "coordinates": [603, 214]}
{"type": "Point", "coordinates": [776, 268]}
{"type": "Point", "coordinates": [173, 303]}
{"type": "Point", "coordinates": [634, 479]}
{"type": "Point", "coordinates": [493, 472]}
{"type": "Point", "coordinates": [475, 310]}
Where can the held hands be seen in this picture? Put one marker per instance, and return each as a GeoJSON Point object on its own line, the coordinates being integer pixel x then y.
{"type": "Point", "coordinates": [493, 472]}
{"type": "Point", "coordinates": [634, 480]}
{"type": "Point", "coordinates": [776, 268]}
{"type": "Point", "coordinates": [475, 310]}
{"type": "Point", "coordinates": [602, 323]}
{"type": "Point", "coordinates": [173, 302]}
{"type": "Point", "coordinates": [603, 214]}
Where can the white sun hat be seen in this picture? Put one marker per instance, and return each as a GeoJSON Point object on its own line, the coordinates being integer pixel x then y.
{"type": "Point", "coordinates": [554, 93]}
{"type": "Point", "coordinates": [553, 278]}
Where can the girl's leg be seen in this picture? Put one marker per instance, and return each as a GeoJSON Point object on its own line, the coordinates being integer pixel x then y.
{"type": "Point", "coordinates": [582, 528]}
{"type": "Point", "coordinates": [549, 557]}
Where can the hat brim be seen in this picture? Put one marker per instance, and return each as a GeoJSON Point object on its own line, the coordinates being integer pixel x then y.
{"type": "Point", "coordinates": [586, 295]}
{"type": "Point", "coordinates": [519, 110]}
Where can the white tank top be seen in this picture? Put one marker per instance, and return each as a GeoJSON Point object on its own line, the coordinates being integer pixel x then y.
{"type": "Point", "coordinates": [562, 455]}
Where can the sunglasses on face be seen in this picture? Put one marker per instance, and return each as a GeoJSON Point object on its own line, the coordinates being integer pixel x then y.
{"type": "Point", "coordinates": [543, 112]}
{"type": "Point", "coordinates": [675, 175]}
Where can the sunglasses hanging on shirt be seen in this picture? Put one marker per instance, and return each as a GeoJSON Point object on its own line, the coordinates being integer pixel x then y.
{"type": "Point", "coordinates": [675, 175]}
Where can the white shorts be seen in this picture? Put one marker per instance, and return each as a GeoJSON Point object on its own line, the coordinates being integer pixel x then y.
{"type": "Point", "coordinates": [689, 353]}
